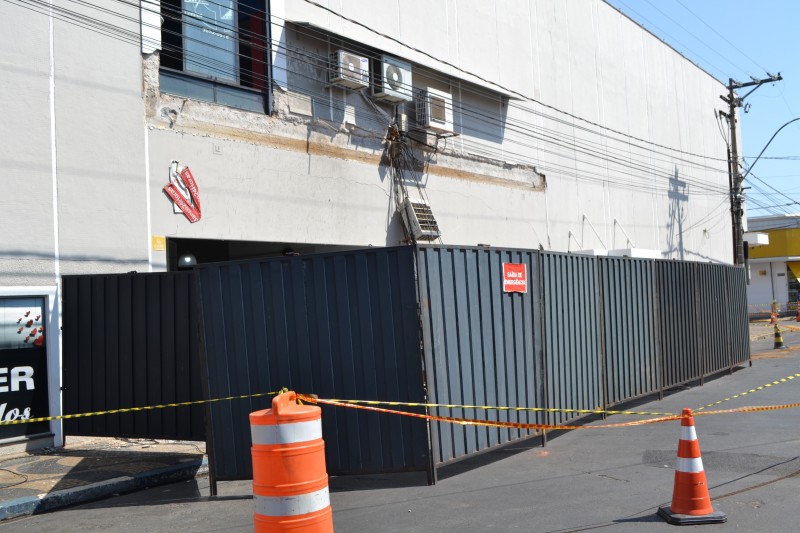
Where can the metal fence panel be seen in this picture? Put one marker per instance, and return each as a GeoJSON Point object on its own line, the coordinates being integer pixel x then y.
{"type": "Point", "coordinates": [678, 327]}
{"type": "Point", "coordinates": [482, 346]}
{"type": "Point", "coordinates": [571, 334]}
{"type": "Point", "coordinates": [678, 313]}
{"type": "Point", "coordinates": [342, 325]}
{"type": "Point", "coordinates": [632, 364]}
{"type": "Point", "coordinates": [714, 320]}
{"type": "Point", "coordinates": [129, 340]}
{"type": "Point", "coordinates": [738, 320]}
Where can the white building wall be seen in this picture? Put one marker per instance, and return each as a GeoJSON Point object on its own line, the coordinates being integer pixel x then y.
{"type": "Point", "coordinates": [768, 283]}
{"type": "Point", "coordinates": [26, 213]}
{"type": "Point", "coordinates": [760, 291]}
{"type": "Point", "coordinates": [591, 61]}
{"type": "Point", "coordinates": [92, 146]}
{"type": "Point", "coordinates": [88, 137]}
{"type": "Point", "coordinates": [258, 174]}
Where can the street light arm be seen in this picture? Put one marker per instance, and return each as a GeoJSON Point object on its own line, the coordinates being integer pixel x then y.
{"type": "Point", "coordinates": [765, 147]}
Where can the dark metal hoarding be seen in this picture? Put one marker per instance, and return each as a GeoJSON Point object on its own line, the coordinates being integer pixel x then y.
{"type": "Point", "coordinates": [537, 334]}
{"type": "Point", "coordinates": [341, 325]}
{"type": "Point", "coordinates": [131, 340]}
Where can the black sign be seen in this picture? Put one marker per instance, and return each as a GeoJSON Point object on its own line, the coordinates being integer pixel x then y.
{"type": "Point", "coordinates": [23, 391]}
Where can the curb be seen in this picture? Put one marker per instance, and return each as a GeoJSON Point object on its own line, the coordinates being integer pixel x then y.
{"type": "Point", "coordinates": [41, 503]}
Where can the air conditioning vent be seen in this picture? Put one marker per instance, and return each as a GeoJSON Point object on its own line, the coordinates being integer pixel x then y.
{"type": "Point", "coordinates": [349, 70]}
{"type": "Point", "coordinates": [392, 80]}
{"type": "Point", "coordinates": [419, 220]}
{"type": "Point", "coordinates": [434, 110]}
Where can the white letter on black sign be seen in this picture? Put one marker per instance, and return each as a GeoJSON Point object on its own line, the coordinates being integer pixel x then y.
{"type": "Point", "coordinates": [22, 374]}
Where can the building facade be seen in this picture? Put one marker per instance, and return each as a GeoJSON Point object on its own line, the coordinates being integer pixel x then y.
{"type": "Point", "coordinates": [311, 126]}
{"type": "Point", "coordinates": [774, 267]}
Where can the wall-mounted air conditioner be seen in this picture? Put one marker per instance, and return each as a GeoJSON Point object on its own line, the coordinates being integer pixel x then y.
{"type": "Point", "coordinates": [434, 110]}
{"type": "Point", "coordinates": [349, 70]}
{"type": "Point", "coordinates": [419, 220]}
{"type": "Point", "coordinates": [392, 81]}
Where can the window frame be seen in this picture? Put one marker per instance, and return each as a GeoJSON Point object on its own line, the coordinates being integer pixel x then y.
{"type": "Point", "coordinates": [175, 79]}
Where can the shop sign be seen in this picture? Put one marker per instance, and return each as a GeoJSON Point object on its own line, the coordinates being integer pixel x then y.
{"type": "Point", "coordinates": [23, 366]}
{"type": "Point", "coordinates": [182, 189]}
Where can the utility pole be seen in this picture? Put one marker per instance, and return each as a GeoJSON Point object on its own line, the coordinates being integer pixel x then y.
{"type": "Point", "coordinates": [735, 177]}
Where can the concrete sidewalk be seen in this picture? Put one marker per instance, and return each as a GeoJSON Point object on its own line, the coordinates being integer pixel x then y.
{"type": "Point", "coordinates": [90, 469]}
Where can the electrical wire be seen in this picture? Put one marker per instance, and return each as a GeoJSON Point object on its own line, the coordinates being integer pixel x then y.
{"type": "Point", "coordinates": [310, 32]}
{"type": "Point", "coordinates": [757, 188]}
{"type": "Point", "coordinates": [750, 167]}
{"type": "Point", "coordinates": [231, 28]}
{"type": "Point", "coordinates": [503, 88]}
{"type": "Point", "coordinates": [681, 26]}
{"type": "Point", "coordinates": [134, 36]}
{"type": "Point", "coordinates": [722, 36]}
{"type": "Point", "coordinates": [772, 206]}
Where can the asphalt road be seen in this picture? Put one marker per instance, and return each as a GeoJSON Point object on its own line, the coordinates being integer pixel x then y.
{"type": "Point", "coordinates": [591, 479]}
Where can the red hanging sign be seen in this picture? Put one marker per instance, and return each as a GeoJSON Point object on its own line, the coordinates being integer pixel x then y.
{"type": "Point", "coordinates": [515, 277]}
{"type": "Point", "coordinates": [184, 180]}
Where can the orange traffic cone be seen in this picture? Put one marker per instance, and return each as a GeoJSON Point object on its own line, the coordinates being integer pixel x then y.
{"type": "Point", "coordinates": [690, 501]}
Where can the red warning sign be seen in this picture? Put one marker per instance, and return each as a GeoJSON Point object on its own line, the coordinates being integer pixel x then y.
{"type": "Point", "coordinates": [515, 277]}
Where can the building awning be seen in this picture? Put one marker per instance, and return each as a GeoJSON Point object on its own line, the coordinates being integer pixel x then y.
{"type": "Point", "coordinates": [794, 266]}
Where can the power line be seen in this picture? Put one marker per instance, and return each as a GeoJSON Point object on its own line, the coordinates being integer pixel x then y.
{"type": "Point", "coordinates": [671, 37]}
{"type": "Point", "coordinates": [134, 36]}
{"type": "Point", "coordinates": [681, 26]}
{"type": "Point", "coordinates": [436, 75]}
{"type": "Point", "coordinates": [506, 89]}
{"type": "Point", "coordinates": [776, 190]}
{"type": "Point", "coordinates": [721, 36]}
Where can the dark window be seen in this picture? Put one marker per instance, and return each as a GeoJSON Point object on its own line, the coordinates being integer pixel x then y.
{"type": "Point", "coordinates": [215, 42]}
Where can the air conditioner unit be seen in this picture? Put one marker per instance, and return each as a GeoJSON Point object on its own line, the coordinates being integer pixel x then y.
{"type": "Point", "coordinates": [434, 110]}
{"type": "Point", "coordinates": [349, 70]}
{"type": "Point", "coordinates": [392, 80]}
{"type": "Point", "coordinates": [419, 220]}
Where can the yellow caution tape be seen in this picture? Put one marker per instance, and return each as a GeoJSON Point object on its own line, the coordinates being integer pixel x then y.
{"type": "Point", "coordinates": [500, 408]}
{"type": "Point", "coordinates": [136, 409]}
{"type": "Point", "coordinates": [751, 391]}
{"type": "Point", "coordinates": [366, 404]}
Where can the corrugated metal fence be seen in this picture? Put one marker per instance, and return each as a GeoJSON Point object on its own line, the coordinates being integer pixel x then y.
{"type": "Point", "coordinates": [408, 324]}
{"type": "Point", "coordinates": [631, 351]}
{"type": "Point", "coordinates": [131, 340]}
{"type": "Point", "coordinates": [572, 338]}
{"type": "Point", "coordinates": [481, 345]}
{"type": "Point", "coordinates": [342, 325]}
{"type": "Point", "coordinates": [590, 333]}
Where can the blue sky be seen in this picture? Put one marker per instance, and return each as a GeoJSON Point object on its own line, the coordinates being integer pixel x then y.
{"type": "Point", "coordinates": [739, 39]}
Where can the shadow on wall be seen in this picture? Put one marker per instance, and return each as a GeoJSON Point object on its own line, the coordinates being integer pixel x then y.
{"type": "Point", "coordinates": [20, 258]}
{"type": "Point", "coordinates": [678, 195]}
{"type": "Point", "coordinates": [394, 230]}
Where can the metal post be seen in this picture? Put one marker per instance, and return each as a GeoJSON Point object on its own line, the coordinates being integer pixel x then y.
{"type": "Point", "coordinates": [736, 178]}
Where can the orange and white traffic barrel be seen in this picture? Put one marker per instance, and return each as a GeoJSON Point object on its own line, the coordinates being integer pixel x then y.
{"type": "Point", "coordinates": [290, 483]}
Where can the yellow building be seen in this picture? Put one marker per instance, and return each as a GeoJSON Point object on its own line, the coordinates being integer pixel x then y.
{"type": "Point", "coordinates": [775, 266]}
